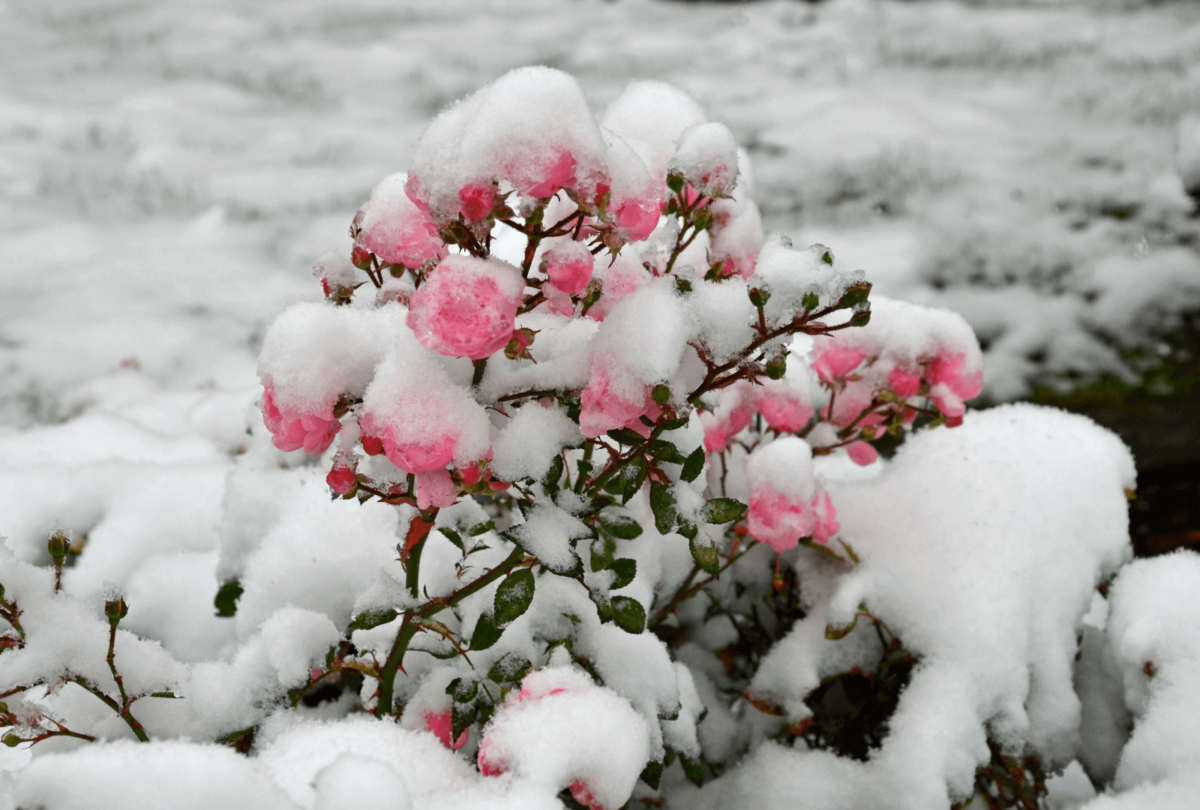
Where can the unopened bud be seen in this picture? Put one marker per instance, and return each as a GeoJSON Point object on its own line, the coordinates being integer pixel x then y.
{"type": "Point", "coordinates": [519, 345]}
{"type": "Point", "coordinates": [702, 219]}
{"type": "Point", "coordinates": [759, 297]}
{"type": "Point", "coordinates": [777, 367]}
{"type": "Point", "coordinates": [811, 301]}
{"type": "Point", "coordinates": [661, 394]}
{"type": "Point", "coordinates": [856, 294]}
{"type": "Point", "coordinates": [675, 182]}
{"type": "Point", "coordinates": [59, 546]}
{"type": "Point", "coordinates": [861, 318]}
{"type": "Point", "coordinates": [11, 740]}
{"type": "Point", "coordinates": [116, 609]}
{"type": "Point", "coordinates": [360, 257]}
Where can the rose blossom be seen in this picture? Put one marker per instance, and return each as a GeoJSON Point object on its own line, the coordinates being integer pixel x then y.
{"type": "Point", "coordinates": [467, 308]}
{"type": "Point", "coordinates": [568, 266]}
{"type": "Point", "coordinates": [292, 431]}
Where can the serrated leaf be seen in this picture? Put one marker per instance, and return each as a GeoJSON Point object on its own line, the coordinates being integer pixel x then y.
{"type": "Point", "coordinates": [604, 608]}
{"type": "Point", "coordinates": [513, 597]}
{"type": "Point", "coordinates": [454, 537]}
{"type": "Point", "coordinates": [620, 526]}
{"type": "Point", "coordinates": [676, 424]}
{"type": "Point", "coordinates": [227, 598]}
{"type": "Point", "coordinates": [693, 465]}
{"type": "Point", "coordinates": [461, 718]}
{"type": "Point", "coordinates": [704, 552]}
{"type": "Point", "coordinates": [372, 618]}
{"type": "Point", "coordinates": [550, 482]}
{"type": "Point", "coordinates": [604, 549]}
{"type": "Point", "coordinates": [510, 668]}
{"type": "Point", "coordinates": [481, 528]}
{"type": "Point", "coordinates": [625, 436]}
{"type": "Point", "coordinates": [663, 450]}
{"type": "Point", "coordinates": [633, 475]}
{"type": "Point", "coordinates": [164, 695]}
{"type": "Point", "coordinates": [625, 570]}
{"type": "Point", "coordinates": [722, 510]}
{"type": "Point", "coordinates": [628, 614]}
{"type": "Point", "coordinates": [662, 504]}
{"type": "Point", "coordinates": [687, 529]}
{"type": "Point", "coordinates": [486, 633]}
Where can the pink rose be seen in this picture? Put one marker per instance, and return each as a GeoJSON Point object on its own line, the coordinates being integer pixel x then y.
{"type": "Point", "coordinates": [636, 219]}
{"type": "Point", "coordinates": [826, 525]}
{"type": "Point", "coordinates": [785, 408]}
{"type": "Point", "coordinates": [608, 406]}
{"type": "Point", "coordinates": [559, 174]}
{"type": "Point", "coordinates": [396, 230]}
{"type": "Point", "coordinates": [442, 727]}
{"type": "Point", "coordinates": [467, 308]}
{"type": "Point", "coordinates": [904, 383]}
{"type": "Point", "coordinates": [431, 452]}
{"type": "Point", "coordinates": [477, 202]}
{"type": "Point", "coordinates": [951, 386]}
{"type": "Point", "coordinates": [736, 406]}
{"type": "Point", "coordinates": [436, 488]}
{"type": "Point", "coordinates": [779, 519]}
{"type": "Point", "coordinates": [849, 403]}
{"type": "Point", "coordinates": [292, 431]}
{"type": "Point", "coordinates": [569, 266]}
{"type": "Point", "coordinates": [557, 301]}
{"type": "Point", "coordinates": [833, 363]}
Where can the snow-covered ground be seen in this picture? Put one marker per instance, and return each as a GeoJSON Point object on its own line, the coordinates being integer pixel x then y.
{"type": "Point", "coordinates": [169, 172]}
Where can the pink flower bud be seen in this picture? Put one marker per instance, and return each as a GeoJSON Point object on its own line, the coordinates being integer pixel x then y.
{"type": "Point", "coordinates": [569, 266]}
{"type": "Point", "coordinates": [442, 727]}
{"type": "Point", "coordinates": [779, 519]}
{"type": "Point", "coordinates": [832, 363]}
{"type": "Point", "coordinates": [293, 431]}
{"type": "Point", "coordinates": [862, 453]}
{"type": "Point", "coordinates": [904, 383]}
{"type": "Point", "coordinates": [467, 308]}
{"type": "Point", "coordinates": [341, 478]}
{"type": "Point", "coordinates": [436, 488]}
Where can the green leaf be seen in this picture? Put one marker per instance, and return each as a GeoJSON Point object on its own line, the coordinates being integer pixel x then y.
{"type": "Point", "coordinates": [454, 537]}
{"type": "Point", "coordinates": [676, 424]}
{"type": "Point", "coordinates": [481, 528]}
{"type": "Point", "coordinates": [227, 598]}
{"type": "Point", "coordinates": [625, 570]}
{"type": "Point", "coordinates": [604, 549]}
{"type": "Point", "coordinates": [372, 618]}
{"type": "Point", "coordinates": [621, 527]}
{"type": "Point", "coordinates": [629, 614]}
{"type": "Point", "coordinates": [486, 633]}
{"type": "Point", "coordinates": [662, 503]}
{"type": "Point", "coordinates": [625, 436]}
{"type": "Point", "coordinates": [652, 774]}
{"type": "Point", "coordinates": [693, 769]}
{"type": "Point", "coordinates": [550, 482]}
{"type": "Point", "coordinates": [510, 668]}
{"type": "Point", "coordinates": [722, 510]}
{"type": "Point", "coordinates": [164, 695]}
{"type": "Point", "coordinates": [461, 718]}
{"type": "Point", "coordinates": [693, 465]}
{"type": "Point", "coordinates": [633, 475]}
{"type": "Point", "coordinates": [704, 552]}
{"type": "Point", "coordinates": [513, 597]}
{"type": "Point", "coordinates": [810, 301]}
{"type": "Point", "coordinates": [665, 451]}
{"type": "Point", "coordinates": [687, 529]}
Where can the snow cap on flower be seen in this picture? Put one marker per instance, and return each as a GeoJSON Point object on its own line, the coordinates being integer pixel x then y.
{"type": "Point", "coordinates": [786, 403]}
{"type": "Point", "coordinates": [531, 127]}
{"type": "Point", "coordinates": [563, 731]}
{"type": "Point", "coordinates": [569, 266]}
{"type": "Point", "coordinates": [336, 274]}
{"type": "Point", "coordinates": [782, 493]}
{"type": "Point", "coordinates": [792, 274]}
{"type": "Point", "coordinates": [650, 116]}
{"type": "Point", "coordinates": [467, 308]}
{"type": "Point", "coordinates": [736, 406]}
{"type": "Point", "coordinates": [420, 417]}
{"type": "Point", "coordinates": [707, 158]}
{"type": "Point", "coordinates": [635, 197]}
{"type": "Point", "coordinates": [312, 355]}
{"type": "Point", "coordinates": [395, 229]}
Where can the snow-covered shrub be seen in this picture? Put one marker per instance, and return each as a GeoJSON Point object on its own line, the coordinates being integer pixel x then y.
{"type": "Point", "coordinates": [608, 493]}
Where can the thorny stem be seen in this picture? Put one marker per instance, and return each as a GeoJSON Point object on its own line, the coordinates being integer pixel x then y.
{"type": "Point", "coordinates": [122, 711]}
{"type": "Point", "coordinates": [408, 629]}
